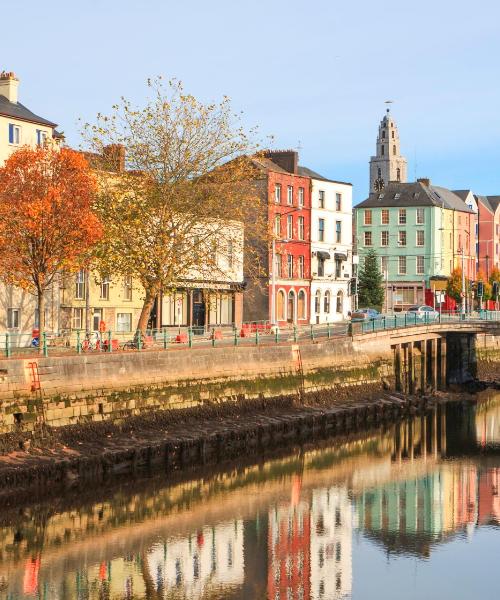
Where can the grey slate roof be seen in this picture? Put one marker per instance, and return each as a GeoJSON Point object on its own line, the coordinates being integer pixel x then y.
{"type": "Point", "coordinates": [494, 201]}
{"type": "Point", "coordinates": [414, 194]}
{"type": "Point", "coordinates": [19, 111]}
{"type": "Point", "coordinates": [305, 172]}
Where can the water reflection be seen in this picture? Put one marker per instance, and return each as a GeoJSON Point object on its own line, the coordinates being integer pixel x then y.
{"type": "Point", "coordinates": [300, 527]}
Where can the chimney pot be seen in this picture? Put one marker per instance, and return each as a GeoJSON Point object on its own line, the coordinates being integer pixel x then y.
{"type": "Point", "coordinates": [8, 86]}
{"type": "Point", "coordinates": [424, 181]}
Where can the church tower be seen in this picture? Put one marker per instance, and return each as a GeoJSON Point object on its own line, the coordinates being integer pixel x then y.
{"type": "Point", "coordinates": [388, 165]}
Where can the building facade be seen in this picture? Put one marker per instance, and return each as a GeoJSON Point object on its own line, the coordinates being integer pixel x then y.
{"type": "Point", "coordinates": [488, 246]}
{"type": "Point", "coordinates": [331, 248]}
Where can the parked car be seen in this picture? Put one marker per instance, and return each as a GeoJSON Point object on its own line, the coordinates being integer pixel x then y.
{"type": "Point", "coordinates": [425, 313]}
{"type": "Point", "coordinates": [365, 314]}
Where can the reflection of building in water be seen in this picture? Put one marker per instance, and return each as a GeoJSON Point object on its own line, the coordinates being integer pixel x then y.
{"type": "Point", "coordinates": [489, 497]}
{"type": "Point", "coordinates": [210, 558]}
{"type": "Point", "coordinates": [331, 544]}
{"type": "Point", "coordinates": [288, 547]}
{"type": "Point", "coordinates": [487, 421]}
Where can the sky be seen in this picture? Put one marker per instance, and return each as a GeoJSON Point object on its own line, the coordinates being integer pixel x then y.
{"type": "Point", "coordinates": [313, 74]}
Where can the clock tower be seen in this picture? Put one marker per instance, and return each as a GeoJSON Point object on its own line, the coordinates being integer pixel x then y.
{"type": "Point", "coordinates": [388, 164]}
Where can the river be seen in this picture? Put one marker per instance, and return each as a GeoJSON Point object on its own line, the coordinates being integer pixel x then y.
{"type": "Point", "coordinates": [410, 511]}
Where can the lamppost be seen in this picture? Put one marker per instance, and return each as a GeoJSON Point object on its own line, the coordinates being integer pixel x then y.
{"type": "Point", "coordinates": [463, 304]}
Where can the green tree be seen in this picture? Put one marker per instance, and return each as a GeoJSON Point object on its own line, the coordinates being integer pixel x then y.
{"type": "Point", "coordinates": [370, 289]}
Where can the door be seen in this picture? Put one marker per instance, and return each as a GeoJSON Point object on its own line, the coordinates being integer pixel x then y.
{"type": "Point", "coordinates": [291, 307]}
{"type": "Point", "coordinates": [199, 309]}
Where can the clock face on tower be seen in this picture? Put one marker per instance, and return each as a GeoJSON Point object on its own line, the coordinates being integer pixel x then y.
{"type": "Point", "coordinates": [378, 184]}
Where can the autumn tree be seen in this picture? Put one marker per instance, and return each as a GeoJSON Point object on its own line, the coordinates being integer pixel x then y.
{"type": "Point", "coordinates": [370, 290]}
{"type": "Point", "coordinates": [486, 285]}
{"type": "Point", "coordinates": [46, 222]}
{"type": "Point", "coordinates": [176, 212]}
{"type": "Point", "coordinates": [454, 285]}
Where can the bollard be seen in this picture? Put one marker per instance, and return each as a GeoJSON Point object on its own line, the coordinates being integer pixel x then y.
{"type": "Point", "coordinates": [277, 334]}
{"type": "Point", "coordinates": [295, 333]}
{"type": "Point", "coordinates": [139, 340]}
{"type": "Point", "coordinates": [328, 332]}
{"type": "Point", "coordinates": [213, 338]}
{"type": "Point", "coordinates": [190, 337]}
{"type": "Point", "coordinates": [235, 336]}
{"type": "Point", "coordinates": [384, 323]}
{"type": "Point", "coordinates": [256, 337]}
{"type": "Point", "coordinates": [7, 346]}
{"type": "Point", "coordinates": [405, 319]}
{"type": "Point", "coordinates": [164, 338]}
{"type": "Point", "coordinates": [45, 349]}
{"type": "Point", "coordinates": [312, 333]}
{"type": "Point", "coordinates": [78, 343]}
{"type": "Point", "coordinates": [110, 345]}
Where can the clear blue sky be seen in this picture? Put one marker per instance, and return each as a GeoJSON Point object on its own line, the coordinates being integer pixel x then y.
{"type": "Point", "coordinates": [316, 71]}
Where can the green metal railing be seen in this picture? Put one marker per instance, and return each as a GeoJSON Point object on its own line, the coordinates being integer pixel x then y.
{"type": "Point", "coordinates": [255, 334]}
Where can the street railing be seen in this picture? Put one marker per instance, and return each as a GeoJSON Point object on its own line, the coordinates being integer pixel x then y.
{"type": "Point", "coordinates": [249, 334]}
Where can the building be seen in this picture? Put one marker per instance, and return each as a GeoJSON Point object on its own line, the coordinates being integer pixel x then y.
{"type": "Point", "coordinates": [283, 293]}
{"type": "Point", "coordinates": [488, 247]}
{"type": "Point", "coordinates": [19, 126]}
{"type": "Point", "coordinates": [388, 164]}
{"type": "Point", "coordinates": [331, 248]}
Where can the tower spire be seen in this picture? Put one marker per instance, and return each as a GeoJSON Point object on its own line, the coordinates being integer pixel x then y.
{"type": "Point", "coordinates": [388, 164]}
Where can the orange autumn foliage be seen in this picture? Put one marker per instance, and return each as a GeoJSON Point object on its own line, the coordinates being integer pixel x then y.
{"type": "Point", "coordinates": [46, 220]}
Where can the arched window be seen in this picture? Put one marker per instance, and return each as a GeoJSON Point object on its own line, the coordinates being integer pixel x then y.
{"type": "Point", "coordinates": [301, 305]}
{"type": "Point", "coordinates": [280, 306]}
{"type": "Point", "coordinates": [326, 302]}
{"type": "Point", "coordinates": [383, 134]}
{"type": "Point", "coordinates": [398, 174]}
{"type": "Point", "coordinates": [340, 302]}
{"type": "Point", "coordinates": [382, 149]}
{"type": "Point", "coordinates": [290, 317]}
{"type": "Point", "coordinates": [379, 173]}
{"type": "Point", "coordinates": [317, 302]}
{"type": "Point", "coordinates": [393, 134]}
{"type": "Point", "coordinates": [394, 149]}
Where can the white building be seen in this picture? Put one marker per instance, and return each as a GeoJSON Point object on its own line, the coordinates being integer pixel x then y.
{"type": "Point", "coordinates": [331, 544]}
{"type": "Point", "coordinates": [331, 248]}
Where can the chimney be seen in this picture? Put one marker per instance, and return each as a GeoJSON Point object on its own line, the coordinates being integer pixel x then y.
{"type": "Point", "coordinates": [425, 181]}
{"type": "Point", "coordinates": [114, 157]}
{"type": "Point", "coordinates": [286, 159]}
{"type": "Point", "coordinates": [8, 86]}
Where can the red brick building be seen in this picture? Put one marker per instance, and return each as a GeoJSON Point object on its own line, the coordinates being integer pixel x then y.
{"type": "Point", "coordinates": [284, 295]}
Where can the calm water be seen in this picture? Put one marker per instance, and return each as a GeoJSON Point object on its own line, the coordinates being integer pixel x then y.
{"type": "Point", "coordinates": [411, 512]}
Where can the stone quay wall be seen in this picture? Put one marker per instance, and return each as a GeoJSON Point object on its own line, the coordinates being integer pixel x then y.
{"type": "Point", "coordinates": [97, 387]}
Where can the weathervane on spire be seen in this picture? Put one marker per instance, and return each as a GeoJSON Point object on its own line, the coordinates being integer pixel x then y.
{"type": "Point", "coordinates": [389, 102]}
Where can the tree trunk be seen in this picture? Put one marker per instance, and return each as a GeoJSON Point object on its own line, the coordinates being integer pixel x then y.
{"type": "Point", "coordinates": [149, 300]}
{"type": "Point", "coordinates": [41, 317]}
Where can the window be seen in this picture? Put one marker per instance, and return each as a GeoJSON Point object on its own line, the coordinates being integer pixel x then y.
{"type": "Point", "coordinates": [420, 216]}
{"type": "Point", "coordinates": [321, 267]}
{"type": "Point", "coordinates": [300, 223]}
{"type": "Point", "coordinates": [384, 238]}
{"type": "Point", "coordinates": [80, 285]}
{"type": "Point", "coordinates": [420, 237]}
{"type": "Point", "coordinates": [384, 216]}
{"type": "Point", "coordinates": [291, 307]}
{"type": "Point", "coordinates": [77, 321]}
{"type": "Point", "coordinates": [398, 174]}
{"type": "Point", "coordinates": [394, 149]}
{"type": "Point", "coordinates": [338, 231]}
{"type": "Point", "coordinates": [402, 216]}
{"type": "Point", "coordinates": [397, 196]}
{"type": "Point", "coordinates": [338, 268]}
{"type": "Point", "coordinates": [321, 230]}
{"type": "Point", "coordinates": [384, 265]}
{"type": "Point", "coordinates": [124, 322]}
{"type": "Point", "coordinates": [289, 266]}
{"type": "Point", "coordinates": [402, 265]}
{"type": "Point", "coordinates": [338, 202]}
{"type": "Point", "coordinates": [105, 288]}
{"type": "Point", "coordinates": [301, 196]}
{"type": "Point", "coordinates": [420, 265]}
{"type": "Point", "coordinates": [382, 150]}
{"type": "Point", "coordinates": [14, 134]}
{"type": "Point", "coordinates": [280, 306]}
{"type": "Point", "coordinates": [301, 303]}
{"type": "Point", "coordinates": [340, 302]}
{"type": "Point", "coordinates": [277, 193]}
{"type": "Point", "coordinates": [392, 134]}
{"type": "Point", "coordinates": [317, 302]}
{"type": "Point", "coordinates": [321, 199]}
{"type": "Point", "coordinates": [326, 302]}
{"type": "Point", "coordinates": [368, 217]}
{"type": "Point", "coordinates": [127, 287]}
{"type": "Point", "coordinates": [289, 195]}
{"type": "Point", "coordinates": [41, 137]}
{"type": "Point", "coordinates": [277, 265]}
{"type": "Point", "coordinates": [368, 238]}
{"type": "Point", "coordinates": [12, 318]}
{"type": "Point", "coordinates": [402, 238]}
{"type": "Point", "coordinates": [289, 227]}
{"type": "Point", "coordinates": [383, 134]}
{"type": "Point", "coordinates": [379, 173]}
{"type": "Point", "coordinates": [300, 267]}
{"type": "Point", "coordinates": [97, 317]}
{"type": "Point", "coordinates": [277, 226]}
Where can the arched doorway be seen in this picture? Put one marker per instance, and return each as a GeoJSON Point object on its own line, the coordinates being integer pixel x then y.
{"type": "Point", "coordinates": [291, 307]}
{"type": "Point", "coordinates": [280, 306]}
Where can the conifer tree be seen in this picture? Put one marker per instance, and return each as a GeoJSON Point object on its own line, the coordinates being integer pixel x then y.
{"type": "Point", "coordinates": [370, 289]}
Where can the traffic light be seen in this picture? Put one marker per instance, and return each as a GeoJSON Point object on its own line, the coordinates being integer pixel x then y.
{"type": "Point", "coordinates": [480, 289]}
